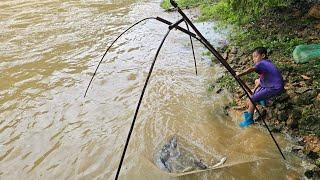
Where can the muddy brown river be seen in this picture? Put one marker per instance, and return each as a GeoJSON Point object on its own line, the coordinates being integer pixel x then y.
{"type": "Point", "coordinates": [48, 130]}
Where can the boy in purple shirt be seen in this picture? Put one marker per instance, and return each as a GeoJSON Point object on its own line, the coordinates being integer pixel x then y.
{"type": "Point", "coordinates": [269, 84]}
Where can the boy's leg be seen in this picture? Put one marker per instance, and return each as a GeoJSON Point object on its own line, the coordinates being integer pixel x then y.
{"type": "Point", "coordinates": [248, 115]}
{"type": "Point", "coordinates": [251, 107]}
{"type": "Point", "coordinates": [258, 94]}
{"type": "Point", "coordinates": [256, 85]}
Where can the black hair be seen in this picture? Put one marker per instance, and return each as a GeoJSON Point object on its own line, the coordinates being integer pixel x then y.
{"type": "Point", "coordinates": [261, 50]}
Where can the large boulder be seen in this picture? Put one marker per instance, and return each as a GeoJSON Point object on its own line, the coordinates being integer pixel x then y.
{"type": "Point", "coordinates": [315, 11]}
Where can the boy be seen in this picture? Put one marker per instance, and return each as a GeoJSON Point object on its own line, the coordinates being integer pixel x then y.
{"type": "Point", "coordinates": [269, 84]}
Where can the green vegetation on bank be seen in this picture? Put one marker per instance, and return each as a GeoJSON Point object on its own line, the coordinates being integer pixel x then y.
{"type": "Point", "coordinates": [231, 11]}
{"type": "Point", "coordinates": [245, 15]}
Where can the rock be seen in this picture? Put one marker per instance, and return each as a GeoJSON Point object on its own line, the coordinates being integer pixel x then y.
{"type": "Point", "coordinates": [172, 9]}
{"type": "Point", "coordinates": [318, 162]}
{"type": "Point", "coordinates": [283, 116]}
{"type": "Point", "coordinates": [306, 97]}
{"type": "Point", "coordinates": [224, 48]}
{"type": "Point", "coordinates": [296, 114]}
{"type": "Point", "coordinates": [296, 149]}
{"type": "Point", "coordinates": [300, 141]}
{"type": "Point", "coordinates": [315, 11]}
{"type": "Point", "coordinates": [309, 174]}
{"type": "Point", "coordinates": [200, 164]}
{"type": "Point", "coordinates": [312, 172]}
{"type": "Point", "coordinates": [234, 50]}
{"type": "Point", "coordinates": [300, 154]}
{"type": "Point", "coordinates": [292, 123]}
{"type": "Point", "coordinates": [309, 166]}
{"type": "Point", "coordinates": [232, 58]}
{"type": "Point", "coordinates": [273, 114]}
{"type": "Point", "coordinates": [317, 102]}
{"type": "Point", "coordinates": [281, 106]}
{"type": "Point", "coordinates": [312, 155]}
{"type": "Point", "coordinates": [317, 26]}
{"type": "Point", "coordinates": [296, 99]}
{"type": "Point", "coordinates": [292, 175]}
{"type": "Point", "coordinates": [310, 123]}
{"type": "Point", "coordinates": [242, 61]}
{"type": "Point", "coordinates": [302, 84]}
{"type": "Point", "coordinates": [312, 143]}
{"type": "Point", "coordinates": [226, 112]}
{"type": "Point", "coordinates": [263, 115]}
{"type": "Point", "coordinates": [239, 108]}
{"type": "Point", "coordinates": [276, 129]}
{"type": "Point", "coordinates": [302, 90]}
{"type": "Point", "coordinates": [225, 55]}
{"type": "Point", "coordinates": [219, 90]}
{"type": "Point", "coordinates": [282, 97]}
{"type": "Point", "coordinates": [305, 77]}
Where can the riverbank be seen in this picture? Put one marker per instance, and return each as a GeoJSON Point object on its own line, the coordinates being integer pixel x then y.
{"type": "Point", "coordinates": [279, 28]}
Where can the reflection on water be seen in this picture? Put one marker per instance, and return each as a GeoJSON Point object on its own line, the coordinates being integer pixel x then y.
{"type": "Point", "coordinates": [48, 53]}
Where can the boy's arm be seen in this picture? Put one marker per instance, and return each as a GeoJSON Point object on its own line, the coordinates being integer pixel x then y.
{"type": "Point", "coordinates": [248, 71]}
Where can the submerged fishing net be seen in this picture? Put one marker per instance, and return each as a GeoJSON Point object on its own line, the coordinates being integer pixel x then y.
{"type": "Point", "coordinates": [175, 157]}
{"type": "Point", "coordinates": [178, 157]}
{"type": "Point", "coordinates": [306, 53]}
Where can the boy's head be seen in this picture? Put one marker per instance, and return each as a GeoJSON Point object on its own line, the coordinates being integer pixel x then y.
{"type": "Point", "coordinates": [258, 54]}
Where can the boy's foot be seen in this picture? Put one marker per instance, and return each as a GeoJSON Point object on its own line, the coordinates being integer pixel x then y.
{"type": "Point", "coordinates": [245, 123]}
{"type": "Point", "coordinates": [248, 119]}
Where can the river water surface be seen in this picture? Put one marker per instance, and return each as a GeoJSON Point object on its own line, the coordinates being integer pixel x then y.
{"type": "Point", "coordinates": [48, 130]}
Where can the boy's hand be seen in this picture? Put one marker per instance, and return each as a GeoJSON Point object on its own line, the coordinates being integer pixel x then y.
{"type": "Point", "coordinates": [250, 70]}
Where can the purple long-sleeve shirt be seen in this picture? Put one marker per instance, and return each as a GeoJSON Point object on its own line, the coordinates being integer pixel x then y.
{"type": "Point", "coordinates": [270, 76]}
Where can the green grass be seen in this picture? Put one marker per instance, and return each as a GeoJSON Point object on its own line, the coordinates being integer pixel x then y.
{"type": "Point", "coordinates": [165, 4]}
{"type": "Point", "coordinates": [228, 82]}
{"type": "Point", "coordinates": [219, 11]}
{"type": "Point", "coordinates": [248, 40]}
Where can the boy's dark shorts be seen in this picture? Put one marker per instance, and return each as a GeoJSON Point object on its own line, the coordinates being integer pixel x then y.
{"type": "Point", "coordinates": [263, 93]}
